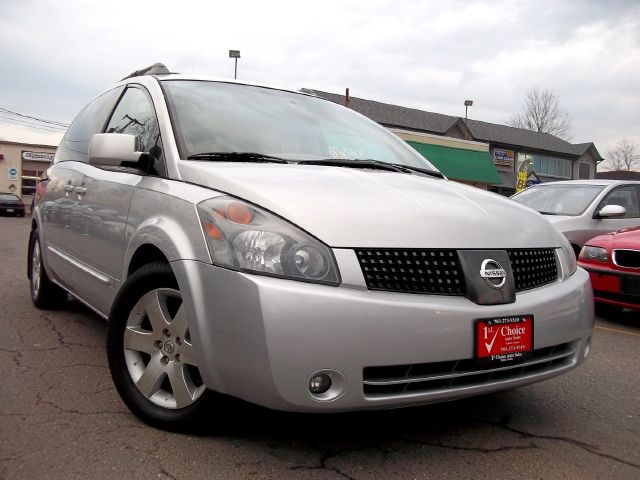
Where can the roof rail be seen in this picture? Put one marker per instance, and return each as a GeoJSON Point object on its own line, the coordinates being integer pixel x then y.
{"type": "Point", "coordinates": [155, 69]}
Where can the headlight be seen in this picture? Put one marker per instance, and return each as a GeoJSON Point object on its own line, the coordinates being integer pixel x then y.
{"type": "Point", "coordinates": [244, 237]}
{"type": "Point", "coordinates": [594, 253]}
{"type": "Point", "coordinates": [568, 260]}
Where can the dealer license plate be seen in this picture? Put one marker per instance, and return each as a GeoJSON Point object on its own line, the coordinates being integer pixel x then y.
{"type": "Point", "coordinates": [9, 210]}
{"type": "Point", "coordinates": [630, 285]}
{"type": "Point", "coordinates": [504, 339]}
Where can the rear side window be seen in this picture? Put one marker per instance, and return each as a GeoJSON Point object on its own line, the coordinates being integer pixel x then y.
{"type": "Point", "coordinates": [90, 120]}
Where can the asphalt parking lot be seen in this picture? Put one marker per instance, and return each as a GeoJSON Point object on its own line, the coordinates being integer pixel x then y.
{"type": "Point", "coordinates": [60, 416]}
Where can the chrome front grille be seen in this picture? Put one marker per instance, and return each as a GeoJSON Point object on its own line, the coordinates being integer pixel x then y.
{"type": "Point", "coordinates": [438, 271]}
{"type": "Point", "coordinates": [412, 271]}
{"type": "Point", "coordinates": [428, 377]}
{"type": "Point", "coordinates": [626, 258]}
{"type": "Point", "coordinates": [533, 267]}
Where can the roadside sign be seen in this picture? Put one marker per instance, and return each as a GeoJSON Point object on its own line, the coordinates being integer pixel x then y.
{"type": "Point", "coordinates": [12, 174]}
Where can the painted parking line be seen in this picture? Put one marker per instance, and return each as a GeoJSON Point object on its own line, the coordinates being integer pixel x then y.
{"type": "Point", "coordinates": [615, 330]}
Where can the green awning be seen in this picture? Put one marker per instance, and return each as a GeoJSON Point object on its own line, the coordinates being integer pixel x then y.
{"type": "Point", "coordinates": [460, 163]}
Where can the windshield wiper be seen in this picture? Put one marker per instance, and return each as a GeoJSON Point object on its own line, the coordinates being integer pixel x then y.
{"type": "Point", "coordinates": [368, 163]}
{"type": "Point", "coordinates": [236, 157]}
{"type": "Point", "coordinates": [426, 171]}
{"type": "Point", "coordinates": [550, 213]}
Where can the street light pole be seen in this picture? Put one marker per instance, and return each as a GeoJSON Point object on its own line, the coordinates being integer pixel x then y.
{"type": "Point", "coordinates": [235, 54]}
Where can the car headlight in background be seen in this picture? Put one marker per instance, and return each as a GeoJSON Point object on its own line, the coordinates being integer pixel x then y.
{"type": "Point", "coordinates": [244, 237]}
{"type": "Point", "coordinates": [594, 253]}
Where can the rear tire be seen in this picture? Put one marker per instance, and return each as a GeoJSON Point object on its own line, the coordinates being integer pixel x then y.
{"type": "Point", "coordinates": [151, 356]}
{"type": "Point", "coordinates": [45, 294]}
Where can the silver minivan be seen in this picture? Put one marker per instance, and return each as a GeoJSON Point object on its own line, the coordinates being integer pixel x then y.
{"type": "Point", "coordinates": [271, 245]}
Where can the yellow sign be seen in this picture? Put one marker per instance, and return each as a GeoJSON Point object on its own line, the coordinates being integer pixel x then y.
{"type": "Point", "coordinates": [521, 184]}
{"type": "Point", "coordinates": [523, 174]}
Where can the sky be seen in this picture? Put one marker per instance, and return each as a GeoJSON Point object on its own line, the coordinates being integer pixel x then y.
{"type": "Point", "coordinates": [431, 55]}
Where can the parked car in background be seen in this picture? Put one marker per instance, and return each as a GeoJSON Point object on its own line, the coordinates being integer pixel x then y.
{"type": "Point", "coordinates": [11, 204]}
{"type": "Point", "coordinates": [613, 263]}
{"type": "Point", "coordinates": [582, 209]}
{"type": "Point", "coordinates": [275, 246]}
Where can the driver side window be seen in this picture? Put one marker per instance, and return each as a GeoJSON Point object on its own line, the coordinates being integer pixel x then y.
{"type": "Point", "coordinates": [135, 115]}
{"type": "Point", "coordinates": [626, 197]}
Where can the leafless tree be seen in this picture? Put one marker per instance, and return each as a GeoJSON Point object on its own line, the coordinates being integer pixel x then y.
{"type": "Point", "coordinates": [542, 113]}
{"type": "Point", "coordinates": [626, 156]}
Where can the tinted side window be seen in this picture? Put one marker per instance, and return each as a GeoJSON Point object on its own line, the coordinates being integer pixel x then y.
{"type": "Point", "coordinates": [135, 115]}
{"type": "Point", "coordinates": [626, 197]}
{"type": "Point", "coordinates": [90, 120]}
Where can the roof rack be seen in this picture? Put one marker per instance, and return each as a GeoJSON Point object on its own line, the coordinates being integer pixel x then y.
{"type": "Point", "coordinates": [155, 69]}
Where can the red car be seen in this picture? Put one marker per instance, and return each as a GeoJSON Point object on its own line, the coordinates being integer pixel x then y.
{"type": "Point", "coordinates": [613, 263]}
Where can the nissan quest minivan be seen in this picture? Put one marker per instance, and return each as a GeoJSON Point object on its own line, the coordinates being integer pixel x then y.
{"type": "Point", "coordinates": [280, 248]}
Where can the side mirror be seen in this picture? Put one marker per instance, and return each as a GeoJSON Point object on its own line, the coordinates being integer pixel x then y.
{"type": "Point", "coordinates": [112, 149]}
{"type": "Point", "coordinates": [612, 211]}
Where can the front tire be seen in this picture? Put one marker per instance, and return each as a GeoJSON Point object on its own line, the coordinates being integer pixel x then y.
{"type": "Point", "coordinates": [151, 356]}
{"type": "Point", "coordinates": [45, 294]}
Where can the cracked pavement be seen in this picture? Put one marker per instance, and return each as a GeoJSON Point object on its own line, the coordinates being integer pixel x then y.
{"type": "Point", "coordinates": [60, 416]}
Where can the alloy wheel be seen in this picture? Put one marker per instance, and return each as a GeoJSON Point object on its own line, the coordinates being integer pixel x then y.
{"type": "Point", "coordinates": [158, 351]}
{"type": "Point", "coordinates": [36, 268]}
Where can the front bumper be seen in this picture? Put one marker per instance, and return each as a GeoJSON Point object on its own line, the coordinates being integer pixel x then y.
{"type": "Point", "coordinates": [261, 338]}
{"type": "Point", "coordinates": [607, 287]}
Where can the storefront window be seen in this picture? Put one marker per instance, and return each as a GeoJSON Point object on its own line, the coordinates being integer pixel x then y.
{"type": "Point", "coordinates": [585, 170]}
{"type": "Point", "coordinates": [30, 179]}
{"type": "Point", "coordinates": [545, 165]}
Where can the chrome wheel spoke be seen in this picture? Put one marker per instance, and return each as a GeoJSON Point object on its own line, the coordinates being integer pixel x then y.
{"type": "Point", "coordinates": [187, 354]}
{"type": "Point", "coordinates": [183, 389]}
{"type": "Point", "coordinates": [135, 338]}
{"type": "Point", "coordinates": [179, 323]}
{"type": "Point", "coordinates": [157, 311]}
{"type": "Point", "coordinates": [152, 377]}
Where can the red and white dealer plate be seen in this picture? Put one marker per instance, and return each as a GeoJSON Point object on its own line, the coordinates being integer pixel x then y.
{"type": "Point", "coordinates": [504, 339]}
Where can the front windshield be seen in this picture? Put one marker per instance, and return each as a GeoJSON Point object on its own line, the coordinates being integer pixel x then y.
{"type": "Point", "coordinates": [559, 199]}
{"type": "Point", "coordinates": [216, 117]}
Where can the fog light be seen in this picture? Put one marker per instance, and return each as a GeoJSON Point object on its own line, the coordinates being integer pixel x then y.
{"type": "Point", "coordinates": [319, 383]}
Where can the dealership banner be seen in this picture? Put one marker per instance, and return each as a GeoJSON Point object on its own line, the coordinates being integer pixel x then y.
{"type": "Point", "coordinates": [37, 156]}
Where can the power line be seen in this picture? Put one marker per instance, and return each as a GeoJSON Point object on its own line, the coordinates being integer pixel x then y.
{"type": "Point", "coordinates": [30, 123]}
{"type": "Point", "coordinates": [53, 122]}
{"type": "Point", "coordinates": [41, 127]}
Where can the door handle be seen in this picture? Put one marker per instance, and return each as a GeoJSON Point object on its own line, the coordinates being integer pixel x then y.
{"type": "Point", "coordinates": [68, 188]}
{"type": "Point", "coordinates": [81, 190]}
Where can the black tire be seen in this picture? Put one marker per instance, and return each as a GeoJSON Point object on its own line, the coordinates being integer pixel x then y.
{"type": "Point", "coordinates": [45, 294]}
{"type": "Point", "coordinates": [142, 283]}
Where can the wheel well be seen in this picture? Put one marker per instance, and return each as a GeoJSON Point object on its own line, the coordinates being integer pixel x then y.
{"type": "Point", "coordinates": [145, 255]}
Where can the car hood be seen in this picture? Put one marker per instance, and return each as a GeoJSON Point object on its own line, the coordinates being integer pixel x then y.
{"type": "Point", "coordinates": [623, 239]}
{"type": "Point", "coordinates": [349, 207]}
